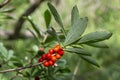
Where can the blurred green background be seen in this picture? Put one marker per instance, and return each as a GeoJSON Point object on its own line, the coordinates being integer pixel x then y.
{"type": "Point", "coordinates": [102, 15]}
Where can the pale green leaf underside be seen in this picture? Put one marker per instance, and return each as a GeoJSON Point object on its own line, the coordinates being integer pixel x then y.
{"type": "Point", "coordinates": [95, 37]}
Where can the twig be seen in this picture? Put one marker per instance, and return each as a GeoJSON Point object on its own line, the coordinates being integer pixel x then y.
{"type": "Point", "coordinates": [75, 70]}
{"type": "Point", "coordinates": [20, 68]}
{"type": "Point", "coordinates": [21, 20]}
{"type": "Point", "coordinates": [4, 3]}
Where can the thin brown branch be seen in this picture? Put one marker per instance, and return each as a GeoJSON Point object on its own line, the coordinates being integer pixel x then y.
{"type": "Point", "coordinates": [20, 68]}
{"type": "Point", "coordinates": [4, 3]}
{"type": "Point", "coordinates": [21, 20]}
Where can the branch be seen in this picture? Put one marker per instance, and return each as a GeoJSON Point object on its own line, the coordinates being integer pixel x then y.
{"type": "Point", "coordinates": [20, 68]}
{"type": "Point", "coordinates": [4, 3]}
{"type": "Point", "coordinates": [20, 22]}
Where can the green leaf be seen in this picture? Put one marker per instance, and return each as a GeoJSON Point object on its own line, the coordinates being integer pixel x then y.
{"type": "Point", "coordinates": [33, 25]}
{"type": "Point", "coordinates": [3, 50]}
{"type": "Point", "coordinates": [47, 17]}
{"type": "Point", "coordinates": [95, 37]}
{"type": "Point", "coordinates": [10, 54]}
{"type": "Point", "coordinates": [98, 44]}
{"type": "Point", "coordinates": [76, 31]}
{"type": "Point", "coordinates": [78, 51]}
{"type": "Point", "coordinates": [90, 60]}
{"type": "Point", "coordinates": [74, 15]}
{"type": "Point", "coordinates": [57, 17]}
{"type": "Point", "coordinates": [53, 33]}
{"type": "Point", "coordinates": [63, 70]}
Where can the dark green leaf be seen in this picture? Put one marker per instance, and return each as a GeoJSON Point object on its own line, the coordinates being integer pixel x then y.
{"type": "Point", "coordinates": [98, 44]}
{"type": "Point", "coordinates": [47, 17]}
{"type": "Point", "coordinates": [95, 37]}
{"type": "Point", "coordinates": [57, 17]}
{"type": "Point", "coordinates": [74, 15]}
{"type": "Point", "coordinates": [90, 60]}
{"type": "Point", "coordinates": [16, 62]}
{"type": "Point", "coordinates": [78, 51]}
{"type": "Point", "coordinates": [76, 31]}
{"type": "Point", "coordinates": [63, 70]}
{"type": "Point", "coordinates": [33, 25]}
{"type": "Point", "coordinates": [53, 33]}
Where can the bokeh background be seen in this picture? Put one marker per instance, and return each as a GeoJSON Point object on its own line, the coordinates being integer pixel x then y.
{"type": "Point", "coordinates": [102, 15]}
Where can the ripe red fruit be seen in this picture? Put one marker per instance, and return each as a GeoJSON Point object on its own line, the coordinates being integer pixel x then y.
{"type": "Point", "coordinates": [61, 52]}
{"type": "Point", "coordinates": [48, 55]}
{"type": "Point", "coordinates": [58, 56]}
{"type": "Point", "coordinates": [43, 56]}
{"type": "Point", "coordinates": [51, 51]}
{"type": "Point", "coordinates": [36, 78]}
{"type": "Point", "coordinates": [40, 60]}
{"type": "Point", "coordinates": [57, 48]}
{"type": "Point", "coordinates": [51, 63]}
{"type": "Point", "coordinates": [46, 64]}
{"type": "Point", "coordinates": [53, 58]}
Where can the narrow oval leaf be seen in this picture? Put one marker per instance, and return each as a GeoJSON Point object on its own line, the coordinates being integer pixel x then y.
{"type": "Point", "coordinates": [98, 45]}
{"type": "Point", "coordinates": [53, 33]}
{"type": "Point", "coordinates": [57, 17]}
{"type": "Point", "coordinates": [90, 60]}
{"type": "Point", "coordinates": [76, 31]}
{"type": "Point", "coordinates": [95, 37]}
{"type": "Point", "coordinates": [47, 17]}
{"type": "Point", "coordinates": [78, 51]}
{"type": "Point", "coordinates": [74, 15]}
{"type": "Point", "coordinates": [29, 19]}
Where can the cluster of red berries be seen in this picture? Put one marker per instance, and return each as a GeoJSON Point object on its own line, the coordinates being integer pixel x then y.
{"type": "Point", "coordinates": [52, 56]}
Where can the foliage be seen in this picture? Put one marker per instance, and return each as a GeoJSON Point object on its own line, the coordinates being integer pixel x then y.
{"type": "Point", "coordinates": [74, 40]}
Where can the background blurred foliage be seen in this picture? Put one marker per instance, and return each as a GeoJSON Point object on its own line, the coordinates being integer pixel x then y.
{"type": "Point", "coordinates": [102, 14]}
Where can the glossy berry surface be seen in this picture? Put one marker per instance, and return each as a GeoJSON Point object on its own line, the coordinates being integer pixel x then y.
{"type": "Point", "coordinates": [46, 64]}
{"type": "Point", "coordinates": [61, 52]}
{"type": "Point", "coordinates": [51, 51]}
{"type": "Point", "coordinates": [51, 63]}
{"type": "Point", "coordinates": [58, 56]}
{"type": "Point", "coordinates": [40, 60]}
{"type": "Point", "coordinates": [53, 58]}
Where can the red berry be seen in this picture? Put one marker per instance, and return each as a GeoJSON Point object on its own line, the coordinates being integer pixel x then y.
{"type": "Point", "coordinates": [36, 78]}
{"type": "Point", "coordinates": [58, 56]}
{"type": "Point", "coordinates": [48, 55]}
{"type": "Point", "coordinates": [44, 56]}
{"type": "Point", "coordinates": [61, 52]}
{"type": "Point", "coordinates": [46, 64]}
{"type": "Point", "coordinates": [51, 51]}
{"type": "Point", "coordinates": [40, 60]}
{"type": "Point", "coordinates": [57, 48]}
{"type": "Point", "coordinates": [51, 63]}
{"type": "Point", "coordinates": [53, 58]}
